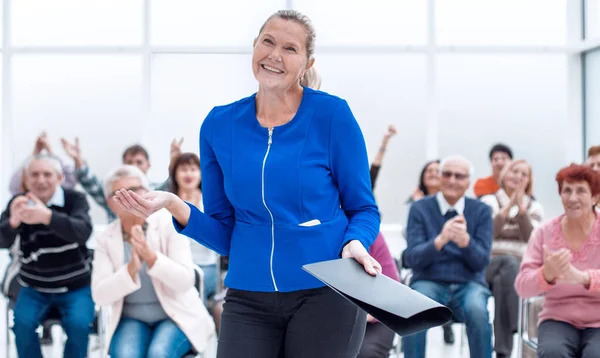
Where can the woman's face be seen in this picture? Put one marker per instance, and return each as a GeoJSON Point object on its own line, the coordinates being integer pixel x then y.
{"type": "Point", "coordinates": [280, 56]}
{"type": "Point", "coordinates": [432, 175]}
{"type": "Point", "coordinates": [517, 177]}
{"type": "Point", "coordinates": [188, 176]}
{"type": "Point", "coordinates": [577, 199]}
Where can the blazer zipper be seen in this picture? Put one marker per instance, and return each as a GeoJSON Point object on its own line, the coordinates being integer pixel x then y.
{"type": "Point", "coordinates": [270, 141]}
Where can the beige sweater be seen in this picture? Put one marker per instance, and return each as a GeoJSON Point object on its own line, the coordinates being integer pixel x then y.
{"type": "Point", "coordinates": [512, 232]}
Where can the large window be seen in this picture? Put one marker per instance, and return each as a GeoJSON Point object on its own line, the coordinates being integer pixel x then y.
{"type": "Point", "coordinates": [454, 76]}
{"type": "Point", "coordinates": [592, 93]}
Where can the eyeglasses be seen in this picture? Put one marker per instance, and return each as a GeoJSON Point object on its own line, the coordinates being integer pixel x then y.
{"type": "Point", "coordinates": [135, 189]}
{"type": "Point", "coordinates": [459, 176]}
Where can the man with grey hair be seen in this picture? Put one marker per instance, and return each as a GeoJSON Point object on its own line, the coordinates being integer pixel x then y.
{"type": "Point", "coordinates": [449, 238]}
{"type": "Point", "coordinates": [53, 225]}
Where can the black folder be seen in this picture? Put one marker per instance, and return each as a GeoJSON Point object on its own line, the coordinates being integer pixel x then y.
{"type": "Point", "coordinates": [402, 309]}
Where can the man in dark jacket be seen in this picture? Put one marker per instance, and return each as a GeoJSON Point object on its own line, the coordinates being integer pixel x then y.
{"type": "Point", "coordinates": [53, 226]}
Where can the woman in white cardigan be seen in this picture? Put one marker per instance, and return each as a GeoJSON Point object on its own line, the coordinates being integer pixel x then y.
{"type": "Point", "coordinates": [143, 269]}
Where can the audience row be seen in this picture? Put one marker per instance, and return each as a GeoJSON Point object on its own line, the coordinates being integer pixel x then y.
{"type": "Point", "coordinates": [461, 251]}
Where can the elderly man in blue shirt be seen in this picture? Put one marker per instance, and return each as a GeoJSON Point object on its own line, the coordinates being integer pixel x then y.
{"type": "Point", "coordinates": [449, 239]}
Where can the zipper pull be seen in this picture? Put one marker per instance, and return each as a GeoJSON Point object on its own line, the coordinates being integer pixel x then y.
{"type": "Point", "coordinates": [270, 136]}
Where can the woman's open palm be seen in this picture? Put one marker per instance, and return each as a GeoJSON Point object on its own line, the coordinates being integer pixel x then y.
{"type": "Point", "coordinates": [142, 205]}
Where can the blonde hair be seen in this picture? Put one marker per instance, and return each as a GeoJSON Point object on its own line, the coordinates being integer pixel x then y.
{"type": "Point", "coordinates": [301, 19]}
{"type": "Point", "coordinates": [508, 167]}
{"type": "Point", "coordinates": [311, 79]}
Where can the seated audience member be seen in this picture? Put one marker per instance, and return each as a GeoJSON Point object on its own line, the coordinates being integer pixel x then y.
{"type": "Point", "coordinates": [376, 164]}
{"type": "Point", "coordinates": [516, 213]}
{"type": "Point", "coordinates": [449, 238]}
{"type": "Point", "coordinates": [500, 154]}
{"type": "Point", "coordinates": [379, 339]}
{"type": "Point", "coordinates": [429, 181]}
{"type": "Point", "coordinates": [143, 269]}
{"type": "Point", "coordinates": [562, 262]}
{"type": "Point", "coordinates": [17, 185]}
{"type": "Point", "coordinates": [186, 183]}
{"type": "Point", "coordinates": [17, 181]}
{"type": "Point", "coordinates": [53, 226]}
{"type": "Point", "coordinates": [429, 184]}
{"type": "Point", "coordinates": [135, 155]}
{"type": "Point", "coordinates": [593, 157]}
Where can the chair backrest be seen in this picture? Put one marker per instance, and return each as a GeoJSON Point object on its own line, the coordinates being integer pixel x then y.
{"type": "Point", "coordinates": [10, 282]}
{"type": "Point", "coordinates": [199, 280]}
{"type": "Point", "coordinates": [534, 309]}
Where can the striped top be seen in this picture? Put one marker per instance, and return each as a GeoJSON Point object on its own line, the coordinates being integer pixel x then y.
{"type": "Point", "coordinates": [54, 258]}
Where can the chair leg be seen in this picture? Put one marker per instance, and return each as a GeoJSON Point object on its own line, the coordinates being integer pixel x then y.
{"type": "Point", "coordinates": [8, 328]}
{"type": "Point", "coordinates": [463, 333]}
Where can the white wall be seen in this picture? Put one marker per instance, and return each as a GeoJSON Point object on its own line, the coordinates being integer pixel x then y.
{"type": "Point", "coordinates": [150, 88]}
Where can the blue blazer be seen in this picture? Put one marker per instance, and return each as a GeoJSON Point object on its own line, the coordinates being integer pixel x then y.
{"type": "Point", "coordinates": [277, 199]}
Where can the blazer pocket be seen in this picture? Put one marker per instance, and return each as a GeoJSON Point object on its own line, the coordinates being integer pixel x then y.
{"type": "Point", "coordinates": [310, 223]}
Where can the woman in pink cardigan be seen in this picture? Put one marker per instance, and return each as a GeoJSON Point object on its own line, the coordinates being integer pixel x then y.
{"type": "Point", "coordinates": [143, 269]}
{"type": "Point", "coordinates": [562, 262]}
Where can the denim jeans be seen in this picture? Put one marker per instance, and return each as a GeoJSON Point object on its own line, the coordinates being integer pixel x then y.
{"type": "Point", "coordinates": [210, 280]}
{"type": "Point", "coordinates": [134, 339]}
{"type": "Point", "coordinates": [468, 302]}
{"type": "Point", "coordinates": [77, 315]}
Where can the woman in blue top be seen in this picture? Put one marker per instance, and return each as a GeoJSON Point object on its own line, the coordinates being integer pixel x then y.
{"type": "Point", "coordinates": [285, 183]}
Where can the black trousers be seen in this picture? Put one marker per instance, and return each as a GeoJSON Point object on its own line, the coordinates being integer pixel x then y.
{"type": "Point", "coordinates": [378, 342]}
{"type": "Point", "coordinates": [560, 339]}
{"type": "Point", "coordinates": [301, 324]}
{"type": "Point", "coordinates": [500, 276]}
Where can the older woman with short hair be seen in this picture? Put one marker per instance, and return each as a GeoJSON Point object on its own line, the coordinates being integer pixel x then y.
{"type": "Point", "coordinates": [562, 262]}
{"type": "Point", "coordinates": [143, 269]}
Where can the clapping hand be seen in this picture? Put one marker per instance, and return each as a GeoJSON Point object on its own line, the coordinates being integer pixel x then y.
{"type": "Point", "coordinates": [555, 264]}
{"type": "Point", "coordinates": [16, 207]}
{"type": "Point", "coordinates": [140, 245]}
{"type": "Point", "coordinates": [417, 194]}
{"type": "Point", "coordinates": [35, 212]}
{"type": "Point", "coordinates": [458, 232]}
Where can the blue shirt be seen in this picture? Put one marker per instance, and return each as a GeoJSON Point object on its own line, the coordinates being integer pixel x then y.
{"type": "Point", "coordinates": [451, 264]}
{"type": "Point", "coordinates": [275, 200]}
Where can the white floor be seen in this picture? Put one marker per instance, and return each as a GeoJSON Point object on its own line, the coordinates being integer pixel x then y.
{"type": "Point", "coordinates": [435, 347]}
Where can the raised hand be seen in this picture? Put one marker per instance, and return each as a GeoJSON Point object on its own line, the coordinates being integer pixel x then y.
{"type": "Point", "coordinates": [42, 143]}
{"type": "Point", "coordinates": [176, 148]}
{"type": "Point", "coordinates": [391, 131]}
{"type": "Point", "coordinates": [73, 150]}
